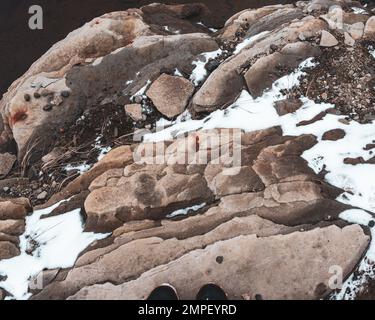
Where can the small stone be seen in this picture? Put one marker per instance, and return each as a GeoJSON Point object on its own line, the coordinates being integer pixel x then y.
{"type": "Point", "coordinates": [7, 161]}
{"type": "Point", "coordinates": [324, 96]}
{"type": "Point", "coordinates": [6, 189]}
{"type": "Point", "coordinates": [65, 94]}
{"type": "Point", "coordinates": [134, 110]}
{"type": "Point", "coordinates": [42, 195]}
{"type": "Point", "coordinates": [138, 99]}
{"type": "Point", "coordinates": [36, 95]}
{"type": "Point", "coordinates": [273, 47]}
{"type": "Point", "coordinates": [27, 97]}
{"type": "Point", "coordinates": [348, 40]}
{"type": "Point", "coordinates": [328, 40]}
{"type": "Point", "coordinates": [334, 135]}
{"type": "Point", "coordinates": [356, 30]}
{"type": "Point", "coordinates": [48, 107]}
{"type": "Point", "coordinates": [219, 259]}
{"type": "Point", "coordinates": [371, 223]}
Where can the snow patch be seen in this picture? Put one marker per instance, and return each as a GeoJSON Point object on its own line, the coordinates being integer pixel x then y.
{"type": "Point", "coordinates": [249, 41]}
{"type": "Point", "coordinates": [199, 73]}
{"type": "Point", "coordinates": [48, 243]}
{"type": "Point", "coordinates": [186, 211]}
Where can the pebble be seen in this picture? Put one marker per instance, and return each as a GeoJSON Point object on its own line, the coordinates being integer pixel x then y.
{"type": "Point", "coordinates": [42, 195]}
{"type": "Point", "coordinates": [27, 97]}
{"type": "Point", "coordinates": [36, 95]}
{"type": "Point", "coordinates": [6, 189]}
{"type": "Point", "coordinates": [47, 107]}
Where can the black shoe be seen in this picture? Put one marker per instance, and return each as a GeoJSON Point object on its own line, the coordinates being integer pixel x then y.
{"type": "Point", "coordinates": [164, 292]}
{"type": "Point", "coordinates": [211, 292]}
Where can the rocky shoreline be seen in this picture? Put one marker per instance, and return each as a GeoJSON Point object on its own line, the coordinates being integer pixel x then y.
{"type": "Point", "coordinates": [128, 133]}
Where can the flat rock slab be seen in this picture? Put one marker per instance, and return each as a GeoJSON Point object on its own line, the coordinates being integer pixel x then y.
{"type": "Point", "coordinates": [292, 266]}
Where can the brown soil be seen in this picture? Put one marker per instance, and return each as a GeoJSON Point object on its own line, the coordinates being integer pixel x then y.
{"type": "Point", "coordinates": [345, 76]}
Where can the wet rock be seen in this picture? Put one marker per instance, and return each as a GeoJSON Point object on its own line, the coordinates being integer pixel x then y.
{"type": "Point", "coordinates": [7, 161]}
{"type": "Point", "coordinates": [328, 40]}
{"type": "Point", "coordinates": [334, 135]}
{"type": "Point", "coordinates": [170, 94]}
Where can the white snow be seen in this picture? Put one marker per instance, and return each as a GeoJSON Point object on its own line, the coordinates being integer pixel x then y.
{"type": "Point", "coordinates": [81, 168]}
{"type": "Point", "coordinates": [141, 91]}
{"type": "Point", "coordinates": [59, 240]}
{"type": "Point", "coordinates": [249, 41]}
{"type": "Point", "coordinates": [199, 73]}
{"type": "Point", "coordinates": [357, 10]}
{"type": "Point", "coordinates": [177, 73]}
{"type": "Point", "coordinates": [185, 211]}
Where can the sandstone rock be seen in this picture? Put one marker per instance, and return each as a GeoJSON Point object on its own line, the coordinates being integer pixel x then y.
{"type": "Point", "coordinates": [87, 82]}
{"type": "Point", "coordinates": [356, 30]}
{"type": "Point", "coordinates": [349, 41]}
{"type": "Point", "coordinates": [328, 40]}
{"type": "Point", "coordinates": [12, 227]}
{"type": "Point", "coordinates": [144, 195]}
{"type": "Point", "coordinates": [370, 27]}
{"type": "Point", "coordinates": [335, 134]}
{"type": "Point", "coordinates": [266, 70]}
{"type": "Point", "coordinates": [134, 111]}
{"type": "Point", "coordinates": [7, 161]}
{"type": "Point", "coordinates": [14, 208]}
{"type": "Point", "coordinates": [170, 94]}
{"type": "Point", "coordinates": [8, 250]}
{"type": "Point", "coordinates": [286, 106]}
{"type": "Point", "coordinates": [256, 263]}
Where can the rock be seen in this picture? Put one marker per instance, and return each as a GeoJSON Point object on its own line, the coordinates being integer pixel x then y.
{"type": "Point", "coordinates": [170, 94]}
{"type": "Point", "coordinates": [134, 111]}
{"type": "Point", "coordinates": [216, 94]}
{"type": "Point", "coordinates": [334, 135]}
{"type": "Point", "coordinates": [328, 40]}
{"type": "Point", "coordinates": [110, 41]}
{"type": "Point", "coordinates": [42, 195]}
{"type": "Point", "coordinates": [356, 30]}
{"type": "Point", "coordinates": [8, 250]}
{"type": "Point", "coordinates": [12, 227]}
{"type": "Point", "coordinates": [349, 41]}
{"type": "Point", "coordinates": [266, 70]}
{"type": "Point", "coordinates": [14, 208]}
{"type": "Point", "coordinates": [7, 161]}
{"type": "Point", "coordinates": [370, 27]}
{"type": "Point", "coordinates": [256, 264]}
{"type": "Point", "coordinates": [286, 106]}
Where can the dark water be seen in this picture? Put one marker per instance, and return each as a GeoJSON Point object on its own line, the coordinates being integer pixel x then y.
{"type": "Point", "coordinates": [20, 46]}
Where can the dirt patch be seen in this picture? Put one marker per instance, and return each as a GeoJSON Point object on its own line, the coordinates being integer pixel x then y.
{"type": "Point", "coordinates": [345, 77]}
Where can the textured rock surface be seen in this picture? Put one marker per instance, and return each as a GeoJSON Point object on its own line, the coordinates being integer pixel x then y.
{"type": "Point", "coordinates": [170, 94]}
{"type": "Point", "coordinates": [185, 211]}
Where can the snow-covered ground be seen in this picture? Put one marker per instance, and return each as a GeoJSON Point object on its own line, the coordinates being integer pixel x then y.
{"type": "Point", "coordinates": [48, 243]}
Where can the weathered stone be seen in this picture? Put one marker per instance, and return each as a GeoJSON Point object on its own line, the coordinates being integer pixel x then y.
{"type": "Point", "coordinates": [14, 208]}
{"type": "Point", "coordinates": [328, 40]}
{"type": "Point", "coordinates": [8, 250]}
{"type": "Point", "coordinates": [349, 41]}
{"type": "Point", "coordinates": [286, 106]}
{"type": "Point", "coordinates": [333, 135]}
{"type": "Point", "coordinates": [134, 111]}
{"type": "Point", "coordinates": [305, 256]}
{"type": "Point", "coordinates": [170, 94]}
{"type": "Point", "coordinates": [7, 161]}
{"type": "Point", "coordinates": [370, 27]}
